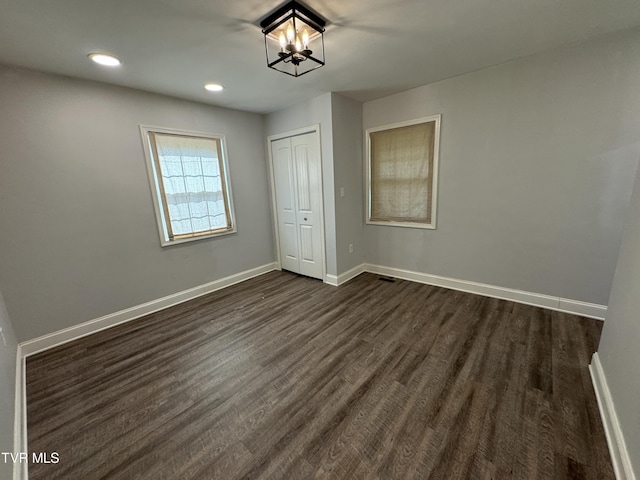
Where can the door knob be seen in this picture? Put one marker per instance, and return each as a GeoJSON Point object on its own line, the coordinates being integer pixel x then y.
{"type": "Point", "coordinates": [305, 219]}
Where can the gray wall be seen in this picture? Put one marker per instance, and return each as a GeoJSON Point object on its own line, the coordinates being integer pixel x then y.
{"type": "Point", "coordinates": [8, 353]}
{"type": "Point", "coordinates": [346, 115]}
{"type": "Point", "coordinates": [79, 232]}
{"type": "Point", "coordinates": [536, 167]}
{"type": "Point", "coordinates": [316, 111]}
{"type": "Point", "coordinates": [618, 350]}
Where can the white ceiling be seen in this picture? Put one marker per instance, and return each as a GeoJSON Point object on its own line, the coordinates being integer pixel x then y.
{"type": "Point", "coordinates": [373, 47]}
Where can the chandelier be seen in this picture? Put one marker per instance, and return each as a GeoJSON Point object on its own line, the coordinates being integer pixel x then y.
{"type": "Point", "coordinates": [294, 39]}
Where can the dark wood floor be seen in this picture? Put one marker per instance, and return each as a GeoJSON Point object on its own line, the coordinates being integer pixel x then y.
{"type": "Point", "coordinates": [283, 377]}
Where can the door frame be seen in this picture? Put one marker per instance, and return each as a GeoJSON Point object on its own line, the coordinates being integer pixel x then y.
{"type": "Point", "coordinates": [272, 188]}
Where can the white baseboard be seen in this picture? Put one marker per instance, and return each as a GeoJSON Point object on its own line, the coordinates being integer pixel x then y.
{"type": "Point", "coordinates": [331, 280]}
{"type": "Point", "coordinates": [20, 416]}
{"type": "Point", "coordinates": [583, 309]}
{"type": "Point", "coordinates": [60, 337]}
{"type": "Point", "coordinates": [349, 274]}
{"type": "Point", "coordinates": [54, 339]}
{"type": "Point", "coordinates": [615, 439]}
{"type": "Point", "coordinates": [344, 277]}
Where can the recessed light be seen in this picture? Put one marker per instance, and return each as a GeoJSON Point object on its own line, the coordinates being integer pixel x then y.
{"type": "Point", "coordinates": [103, 59]}
{"type": "Point", "coordinates": [213, 87]}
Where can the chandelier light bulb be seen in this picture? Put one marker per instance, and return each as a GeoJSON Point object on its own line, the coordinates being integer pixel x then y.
{"type": "Point", "coordinates": [305, 39]}
{"type": "Point", "coordinates": [298, 46]}
{"type": "Point", "coordinates": [283, 41]}
{"type": "Point", "coordinates": [290, 34]}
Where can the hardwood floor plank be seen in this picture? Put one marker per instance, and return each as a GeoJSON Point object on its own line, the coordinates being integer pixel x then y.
{"type": "Point", "coordinates": [283, 377]}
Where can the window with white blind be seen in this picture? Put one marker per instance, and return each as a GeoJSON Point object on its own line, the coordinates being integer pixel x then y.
{"type": "Point", "coordinates": [189, 178]}
{"type": "Point", "coordinates": [402, 171]}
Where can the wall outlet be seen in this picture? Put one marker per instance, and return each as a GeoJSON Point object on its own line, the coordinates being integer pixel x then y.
{"type": "Point", "coordinates": [351, 248]}
{"type": "Point", "coordinates": [342, 191]}
{"type": "Point", "coordinates": [4, 340]}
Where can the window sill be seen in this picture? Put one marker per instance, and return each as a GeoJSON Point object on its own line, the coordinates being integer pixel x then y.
{"type": "Point", "coordinates": [167, 243]}
{"type": "Point", "coordinates": [424, 226]}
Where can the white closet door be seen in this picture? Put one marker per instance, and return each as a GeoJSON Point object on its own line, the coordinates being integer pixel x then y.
{"type": "Point", "coordinates": [308, 184]}
{"type": "Point", "coordinates": [285, 201]}
{"type": "Point", "coordinates": [298, 188]}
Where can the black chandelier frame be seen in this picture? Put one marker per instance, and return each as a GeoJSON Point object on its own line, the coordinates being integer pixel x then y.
{"type": "Point", "coordinates": [290, 59]}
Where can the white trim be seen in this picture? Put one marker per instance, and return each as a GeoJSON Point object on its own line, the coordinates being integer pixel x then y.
{"type": "Point", "coordinates": [54, 339]}
{"type": "Point", "coordinates": [20, 470]}
{"type": "Point", "coordinates": [615, 439]}
{"type": "Point", "coordinates": [583, 309]}
{"type": "Point", "coordinates": [345, 276]}
{"type": "Point", "coordinates": [328, 278]}
{"type": "Point", "coordinates": [349, 274]}
{"type": "Point", "coordinates": [434, 186]}
{"type": "Point", "coordinates": [331, 280]}
{"type": "Point", "coordinates": [294, 133]}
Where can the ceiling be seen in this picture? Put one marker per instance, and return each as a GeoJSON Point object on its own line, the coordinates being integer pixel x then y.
{"type": "Point", "coordinates": [373, 47]}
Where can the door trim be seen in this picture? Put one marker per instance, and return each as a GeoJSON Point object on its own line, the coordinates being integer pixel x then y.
{"type": "Point", "coordinates": [274, 208]}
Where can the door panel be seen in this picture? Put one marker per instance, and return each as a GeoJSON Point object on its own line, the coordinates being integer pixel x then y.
{"type": "Point", "coordinates": [306, 243]}
{"type": "Point", "coordinates": [285, 202]}
{"type": "Point", "coordinates": [290, 250]}
{"type": "Point", "coordinates": [302, 165]}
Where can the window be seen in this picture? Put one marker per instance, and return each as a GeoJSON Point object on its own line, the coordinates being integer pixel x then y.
{"type": "Point", "coordinates": [402, 173]}
{"type": "Point", "coordinates": [189, 180]}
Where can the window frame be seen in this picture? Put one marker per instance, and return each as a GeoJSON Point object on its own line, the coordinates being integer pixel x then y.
{"type": "Point", "coordinates": [157, 188]}
{"type": "Point", "coordinates": [434, 177]}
